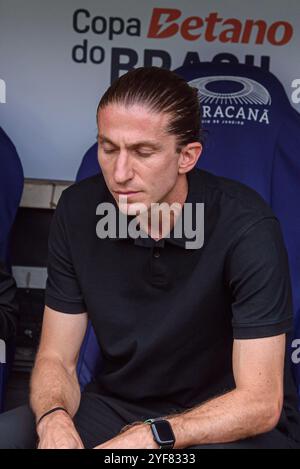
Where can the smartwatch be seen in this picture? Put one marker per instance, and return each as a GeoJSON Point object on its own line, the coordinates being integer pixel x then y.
{"type": "Point", "coordinates": [162, 433]}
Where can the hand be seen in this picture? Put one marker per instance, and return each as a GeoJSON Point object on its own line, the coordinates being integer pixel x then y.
{"type": "Point", "coordinates": [57, 431]}
{"type": "Point", "coordinates": [136, 437]}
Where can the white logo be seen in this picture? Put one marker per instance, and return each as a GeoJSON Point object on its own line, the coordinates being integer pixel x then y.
{"type": "Point", "coordinates": [157, 220]}
{"type": "Point", "coordinates": [2, 91]}
{"type": "Point", "coordinates": [251, 92]}
{"type": "Point", "coordinates": [296, 353]}
{"type": "Point", "coordinates": [296, 93]}
{"type": "Point", "coordinates": [2, 352]}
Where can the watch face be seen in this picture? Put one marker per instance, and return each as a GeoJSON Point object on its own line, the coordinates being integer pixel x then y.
{"type": "Point", "coordinates": [162, 432]}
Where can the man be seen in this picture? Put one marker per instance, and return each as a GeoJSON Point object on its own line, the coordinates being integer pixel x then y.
{"type": "Point", "coordinates": [192, 336]}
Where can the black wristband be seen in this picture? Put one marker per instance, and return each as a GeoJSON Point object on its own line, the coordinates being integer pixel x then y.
{"type": "Point", "coordinates": [50, 412]}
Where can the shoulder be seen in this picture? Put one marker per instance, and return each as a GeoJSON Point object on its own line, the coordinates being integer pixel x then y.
{"type": "Point", "coordinates": [84, 195]}
{"type": "Point", "coordinates": [91, 186]}
{"type": "Point", "coordinates": [230, 195]}
{"type": "Point", "coordinates": [230, 208]}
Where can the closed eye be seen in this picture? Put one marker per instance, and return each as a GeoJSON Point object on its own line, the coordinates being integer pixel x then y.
{"type": "Point", "coordinates": [143, 154]}
{"type": "Point", "coordinates": [109, 151]}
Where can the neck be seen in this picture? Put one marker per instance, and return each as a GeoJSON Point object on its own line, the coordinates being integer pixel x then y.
{"type": "Point", "coordinates": [161, 218]}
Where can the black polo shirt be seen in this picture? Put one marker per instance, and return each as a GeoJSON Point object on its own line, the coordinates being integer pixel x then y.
{"type": "Point", "coordinates": [166, 316]}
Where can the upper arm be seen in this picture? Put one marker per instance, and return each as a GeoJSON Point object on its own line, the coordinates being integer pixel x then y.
{"type": "Point", "coordinates": [258, 366]}
{"type": "Point", "coordinates": [258, 279]}
{"type": "Point", "coordinates": [62, 336]}
{"type": "Point", "coordinates": [65, 317]}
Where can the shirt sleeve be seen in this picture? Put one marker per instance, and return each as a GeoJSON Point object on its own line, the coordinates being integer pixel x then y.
{"type": "Point", "coordinates": [63, 292]}
{"type": "Point", "coordinates": [8, 305]}
{"type": "Point", "coordinates": [258, 277]}
{"type": "Point", "coordinates": [286, 198]}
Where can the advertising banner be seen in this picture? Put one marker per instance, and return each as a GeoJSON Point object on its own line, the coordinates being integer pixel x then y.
{"type": "Point", "coordinates": [57, 59]}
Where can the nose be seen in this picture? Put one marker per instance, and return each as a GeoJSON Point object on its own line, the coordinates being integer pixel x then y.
{"type": "Point", "coordinates": [123, 170]}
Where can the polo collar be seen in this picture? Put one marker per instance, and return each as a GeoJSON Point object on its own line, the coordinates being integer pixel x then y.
{"type": "Point", "coordinates": [192, 197]}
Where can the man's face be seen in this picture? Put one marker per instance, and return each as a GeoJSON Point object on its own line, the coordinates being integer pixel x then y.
{"type": "Point", "coordinates": [137, 156]}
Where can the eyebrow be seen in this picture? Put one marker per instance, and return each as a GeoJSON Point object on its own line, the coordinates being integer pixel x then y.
{"type": "Point", "coordinates": [143, 143]}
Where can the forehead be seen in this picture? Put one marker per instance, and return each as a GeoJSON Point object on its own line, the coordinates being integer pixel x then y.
{"type": "Point", "coordinates": [137, 120]}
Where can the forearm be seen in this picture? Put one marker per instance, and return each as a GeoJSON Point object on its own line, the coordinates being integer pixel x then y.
{"type": "Point", "coordinates": [53, 386]}
{"type": "Point", "coordinates": [231, 417]}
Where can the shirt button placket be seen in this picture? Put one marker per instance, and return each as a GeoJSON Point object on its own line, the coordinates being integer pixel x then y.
{"type": "Point", "coordinates": [156, 253]}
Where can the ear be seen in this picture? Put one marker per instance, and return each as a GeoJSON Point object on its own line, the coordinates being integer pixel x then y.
{"type": "Point", "coordinates": [188, 157]}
